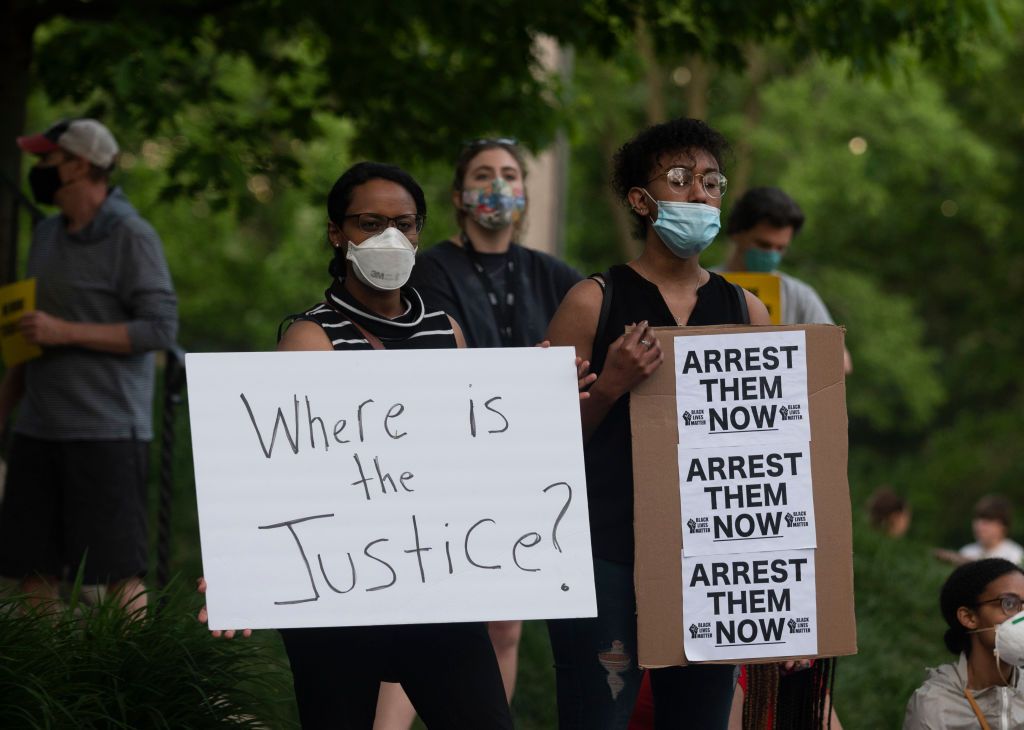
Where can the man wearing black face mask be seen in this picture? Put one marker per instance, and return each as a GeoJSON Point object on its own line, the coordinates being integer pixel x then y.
{"type": "Point", "coordinates": [77, 479]}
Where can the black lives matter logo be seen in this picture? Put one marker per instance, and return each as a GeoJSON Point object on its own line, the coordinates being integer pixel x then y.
{"type": "Point", "coordinates": [796, 519]}
{"type": "Point", "coordinates": [700, 630]}
{"type": "Point", "coordinates": [791, 412]}
{"type": "Point", "coordinates": [694, 417]}
{"type": "Point", "coordinates": [799, 625]}
{"type": "Point", "coordinates": [698, 525]}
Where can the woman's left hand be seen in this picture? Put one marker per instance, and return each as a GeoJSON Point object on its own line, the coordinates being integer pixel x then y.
{"type": "Point", "coordinates": [584, 378]}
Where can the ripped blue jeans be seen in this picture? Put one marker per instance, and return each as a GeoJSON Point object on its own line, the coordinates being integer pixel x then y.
{"type": "Point", "coordinates": [598, 677]}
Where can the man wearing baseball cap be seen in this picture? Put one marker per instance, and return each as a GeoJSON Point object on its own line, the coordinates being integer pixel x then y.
{"type": "Point", "coordinates": [76, 485]}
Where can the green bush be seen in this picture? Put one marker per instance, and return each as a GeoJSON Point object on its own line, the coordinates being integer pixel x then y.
{"type": "Point", "coordinates": [80, 666]}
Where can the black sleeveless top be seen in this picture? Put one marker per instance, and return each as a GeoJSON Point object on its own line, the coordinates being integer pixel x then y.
{"type": "Point", "coordinates": [608, 454]}
{"type": "Point", "coordinates": [414, 329]}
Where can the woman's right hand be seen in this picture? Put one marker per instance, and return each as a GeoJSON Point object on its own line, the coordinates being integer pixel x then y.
{"type": "Point", "coordinates": [230, 633]}
{"type": "Point", "coordinates": [631, 359]}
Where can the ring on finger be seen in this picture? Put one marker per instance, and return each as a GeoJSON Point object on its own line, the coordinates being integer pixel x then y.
{"type": "Point", "coordinates": [647, 343]}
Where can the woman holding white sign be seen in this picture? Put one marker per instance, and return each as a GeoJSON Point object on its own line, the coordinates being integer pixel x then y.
{"type": "Point", "coordinates": [670, 176]}
{"type": "Point", "coordinates": [375, 214]}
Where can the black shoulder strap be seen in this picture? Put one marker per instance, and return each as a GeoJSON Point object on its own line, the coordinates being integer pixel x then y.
{"type": "Point", "coordinates": [604, 280]}
{"type": "Point", "coordinates": [744, 311]}
{"type": "Point", "coordinates": [287, 322]}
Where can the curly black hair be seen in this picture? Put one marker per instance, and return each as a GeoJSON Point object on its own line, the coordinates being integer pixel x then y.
{"type": "Point", "coordinates": [962, 588]}
{"type": "Point", "coordinates": [636, 161]}
{"type": "Point", "coordinates": [765, 204]}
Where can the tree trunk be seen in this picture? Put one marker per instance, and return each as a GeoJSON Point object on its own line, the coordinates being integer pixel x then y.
{"type": "Point", "coordinates": [757, 72]}
{"type": "Point", "coordinates": [15, 61]}
{"type": "Point", "coordinates": [697, 89]}
{"type": "Point", "coordinates": [654, 79]}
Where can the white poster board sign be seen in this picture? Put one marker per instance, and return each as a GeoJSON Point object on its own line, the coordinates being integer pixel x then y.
{"type": "Point", "coordinates": [748, 606]}
{"type": "Point", "coordinates": [365, 488]}
{"type": "Point", "coordinates": [742, 389]}
{"type": "Point", "coordinates": [746, 498]}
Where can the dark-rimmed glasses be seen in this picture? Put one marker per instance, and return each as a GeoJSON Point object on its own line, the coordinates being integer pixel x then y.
{"type": "Point", "coordinates": [375, 222]}
{"type": "Point", "coordinates": [1011, 603]}
{"type": "Point", "coordinates": [681, 178]}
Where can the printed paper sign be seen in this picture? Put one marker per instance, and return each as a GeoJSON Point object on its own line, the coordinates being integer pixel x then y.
{"type": "Point", "coordinates": [746, 388]}
{"type": "Point", "coordinates": [749, 606]}
{"type": "Point", "coordinates": [16, 300]}
{"type": "Point", "coordinates": [361, 488]}
{"type": "Point", "coordinates": [746, 498]}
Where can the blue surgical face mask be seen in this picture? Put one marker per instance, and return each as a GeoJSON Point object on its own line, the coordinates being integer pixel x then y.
{"type": "Point", "coordinates": [686, 228]}
{"type": "Point", "coordinates": [761, 261]}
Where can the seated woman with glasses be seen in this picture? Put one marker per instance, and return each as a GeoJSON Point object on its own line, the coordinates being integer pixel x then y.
{"type": "Point", "coordinates": [981, 602]}
{"type": "Point", "coordinates": [375, 213]}
{"type": "Point", "coordinates": [501, 294]}
{"type": "Point", "coordinates": [670, 176]}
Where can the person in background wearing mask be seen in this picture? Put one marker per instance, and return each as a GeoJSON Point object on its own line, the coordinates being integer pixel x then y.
{"type": "Point", "coordinates": [761, 226]}
{"type": "Point", "coordinates": [670, 175]}
{"type": "Point", "coordinates": [78, 466]}
{"type": "Point", "coordinates": [981, 603]}
{"type": "Point", "coordinates": [502, 294]}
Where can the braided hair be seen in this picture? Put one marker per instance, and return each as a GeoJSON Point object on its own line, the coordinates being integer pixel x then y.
{"type": "Point", "coordinates": [798, 701]}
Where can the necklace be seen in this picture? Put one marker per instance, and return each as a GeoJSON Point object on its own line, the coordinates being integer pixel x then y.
{"type": "Point", "coordinates": [701, 280]}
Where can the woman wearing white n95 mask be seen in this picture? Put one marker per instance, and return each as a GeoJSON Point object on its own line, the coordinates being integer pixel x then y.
{"type": "Point", "coordinates": [981, 602]}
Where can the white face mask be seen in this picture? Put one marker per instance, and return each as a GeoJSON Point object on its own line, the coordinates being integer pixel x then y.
{"type": "Point", "coordinates": [383, 262]}
{"type": "Point", "coordinates": [1009, 642]}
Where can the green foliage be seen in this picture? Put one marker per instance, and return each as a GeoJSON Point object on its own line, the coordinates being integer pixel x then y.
{"type": "Point", "coordinates": [81, 666]}
{"type": "Point", "coordinates": [899, 629]}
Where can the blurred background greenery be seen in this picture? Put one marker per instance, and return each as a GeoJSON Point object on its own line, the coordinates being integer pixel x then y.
{"type": "Point", "coordinates": [898, 127]}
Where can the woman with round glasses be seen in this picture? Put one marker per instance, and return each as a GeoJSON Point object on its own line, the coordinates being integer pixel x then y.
{"type": "Point", "coordinates": [375, 213]}
{"type": "Point", "coordinates": [670, 175]}
{"type": "Point", "coordinates": [981, 602]}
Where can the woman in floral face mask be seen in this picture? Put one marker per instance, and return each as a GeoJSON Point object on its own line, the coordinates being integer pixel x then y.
{"type": "Point", "coordinates": [502, 294]}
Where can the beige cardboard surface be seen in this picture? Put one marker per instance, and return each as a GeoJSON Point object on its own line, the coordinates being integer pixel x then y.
{"type": "Point", "coordinates": [658, 570]}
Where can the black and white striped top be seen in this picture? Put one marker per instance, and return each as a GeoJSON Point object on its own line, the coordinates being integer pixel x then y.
{"type": "Point", "coordinates": [414, 329]}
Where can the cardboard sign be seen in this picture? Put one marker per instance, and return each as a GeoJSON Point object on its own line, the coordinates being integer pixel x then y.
{"type": "Point", "coordinates": [660, 437]}
{"type": "Point", "coordinates": [750, 605]}
{"type": "Point", "coordinates": [766, 287]}
{"type": "Point", "coordinates": [16, 300]}
{"type": "Point", "coordinates": [390, 487]}
{"type": "Point", "coordinates": [742, 388]}
{"type": "Point", "coordinates": [746, 498]}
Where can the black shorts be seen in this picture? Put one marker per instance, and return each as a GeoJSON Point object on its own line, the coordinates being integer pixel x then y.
{"type": "Point", "coordinates": [68, 499]}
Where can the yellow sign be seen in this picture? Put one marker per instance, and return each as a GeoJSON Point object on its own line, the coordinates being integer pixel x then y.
{"type": "Point", "coordinates": [16, 300]}
{"type": "Point", "coordinates": [766, 287]}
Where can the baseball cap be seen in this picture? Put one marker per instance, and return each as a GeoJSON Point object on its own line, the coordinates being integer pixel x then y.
{"type": "Point", "coordinates": [86, 138]}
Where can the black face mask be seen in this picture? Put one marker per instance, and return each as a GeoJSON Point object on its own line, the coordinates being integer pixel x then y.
{"type": "Point", "coordinates": [45, 182]}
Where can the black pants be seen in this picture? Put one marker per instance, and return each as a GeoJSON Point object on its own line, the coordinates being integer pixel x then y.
{"type": "Point", "coordinates": [448, 671]}
{"type": "Point", "coordinates": [598, 677]}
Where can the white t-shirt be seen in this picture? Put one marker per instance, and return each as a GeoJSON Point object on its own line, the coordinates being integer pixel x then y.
{"type": "Point", "coordinates": [1007, 550]}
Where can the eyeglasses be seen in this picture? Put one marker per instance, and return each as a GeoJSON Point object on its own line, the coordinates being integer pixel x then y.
{"type": "Point", "coordinates": [681, 178]}
{"type": "Point", "coordinates": [1011, 603]}
{"type": "Point", "coordinates": [375, 223]}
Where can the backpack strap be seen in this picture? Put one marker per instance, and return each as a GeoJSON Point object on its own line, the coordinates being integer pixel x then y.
{"type": "Point", "coordinates": [742, 298]}
{"type": "Point", "coordinates": [604, 280]}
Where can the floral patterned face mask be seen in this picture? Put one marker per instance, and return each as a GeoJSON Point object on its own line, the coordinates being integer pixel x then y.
{"type": "Point", "coordinates": [495, 205]}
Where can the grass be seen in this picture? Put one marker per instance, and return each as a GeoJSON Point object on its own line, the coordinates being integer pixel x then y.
{"type": "Point", "coordinates": [71, 665]}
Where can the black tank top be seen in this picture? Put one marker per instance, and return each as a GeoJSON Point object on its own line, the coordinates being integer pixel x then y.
{"type": "Point", "coordinates": [609, 454]}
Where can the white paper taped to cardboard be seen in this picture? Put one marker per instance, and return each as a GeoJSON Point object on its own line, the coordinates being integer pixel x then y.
{"type": "Point", "coordinates": [742, 388]}
{"type": "Point", "coordinates": [749, 606]}
{"type": "Point", "coordinates": [744, 499]}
